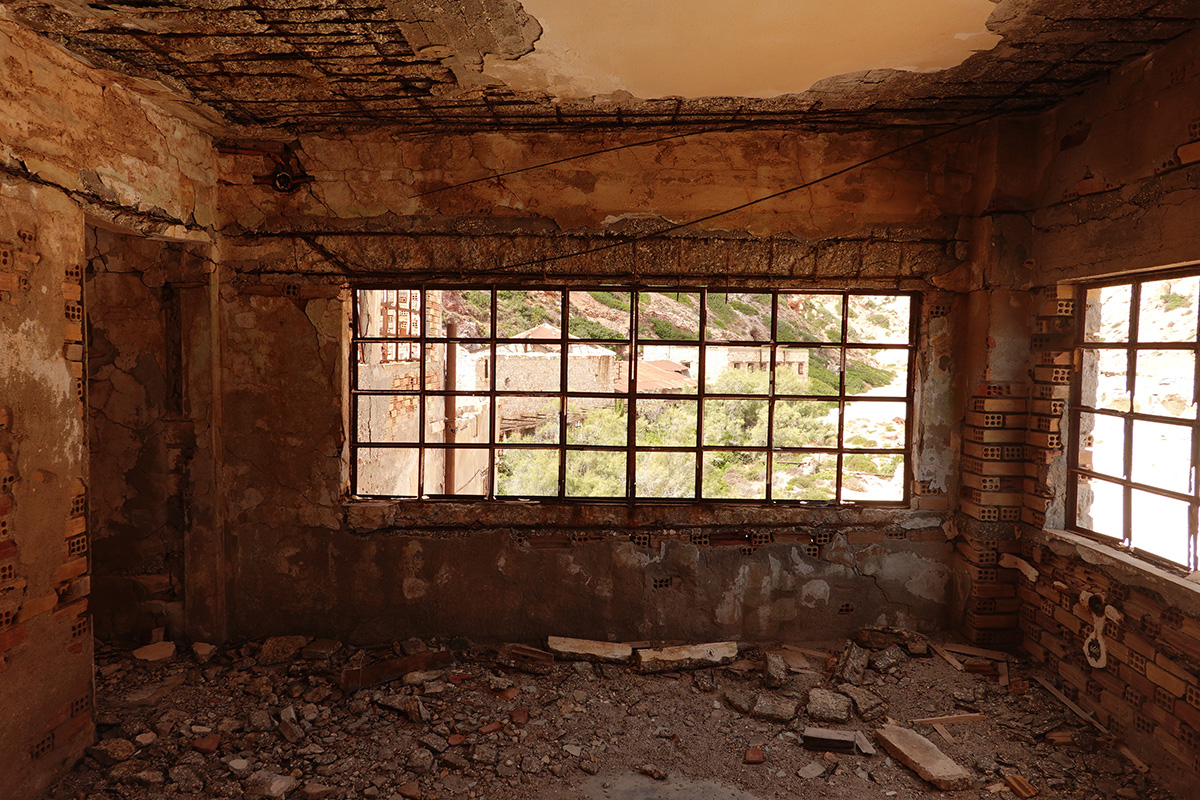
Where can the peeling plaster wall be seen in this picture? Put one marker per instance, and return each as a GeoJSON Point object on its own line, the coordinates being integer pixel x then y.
{"type": "Point", "coordinates": [45, 640]}
{"type": "Point", "coordinates": [305, 559]}
{"type": "Point", "coordinates": [76, 148]}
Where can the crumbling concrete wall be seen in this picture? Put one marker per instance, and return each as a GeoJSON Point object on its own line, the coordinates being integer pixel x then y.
{"type": "Point", "coordinates": [45, 638]}
{"type": "Point", "coordinates": [305, 558]}
{"type": "Point", "coordinates": [77, 147]}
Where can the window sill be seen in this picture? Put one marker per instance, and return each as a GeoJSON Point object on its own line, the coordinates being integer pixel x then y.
{"type": "Point", "coordinates": [1181, 592]}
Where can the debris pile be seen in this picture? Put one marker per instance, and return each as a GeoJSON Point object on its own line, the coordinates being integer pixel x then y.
{"type": "Point", "coordinates": [889, 714]}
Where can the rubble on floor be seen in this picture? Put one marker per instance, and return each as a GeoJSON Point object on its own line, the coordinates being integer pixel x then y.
{"type": "Point", "coordinates": [292, 717]}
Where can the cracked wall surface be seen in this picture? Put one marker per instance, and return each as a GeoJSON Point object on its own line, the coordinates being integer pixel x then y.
{"type": "Point", "coordinates": [45, 638]}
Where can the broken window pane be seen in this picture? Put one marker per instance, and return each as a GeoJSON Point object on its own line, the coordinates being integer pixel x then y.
{"type": "Point", "coordinates": [595, 473]}
{"type": "Point", "coordinates": [1107, 314]}
{"type": "Point", "coordinates": [870, 424]}
{"type": "Point", "coordinates": [730, 369]}
{"type": "Point", "coordinates": [1162, 455]}
{"type": "Point", "coordinates": [1160, 526]}
{"type": "Point", "coordinates": [735, 423]}
{"type": "Point", "coordinates": [875, 477]}
{"type": "Point", "coordinates": [669, 315]}
{"type": "Point", "coordinates": [461, 313]}
{"type": "Point", "coordinates": [805, 423]}
{"type": "Point", "coordinates": [600, 314]}
{"type": "Point", "coordinates": [737, 317]}
{"type": "Point", "coordinates": [1164, 383]}
{"type": "Point", "coordinates": [526, 472]}
{"type": "Point", "coordinates": [1100, 507]}
{"type": "Point", "coordinates": [878, 319]}
{"type": "Point", "coordinates": [804, 476]}
{"type": "Point", "coordinates": [665, 474]}
{"type": "Point", "coordinates": [1167, 312]}
{"type": "Point", "coordinates": [597, 421]}
{"type": "Point", "coordinates": [1102, 443]}
{"type": "Point", "coordinates": [390, 471]}
{"type": "Point", "coordinates": [666, 423]}
{"type": "Point", "coordinates": [734, 476]}
{"type": "Point", "coordinates": [809, 318]}
{"type": "Point", "coordinates": [528, 314]}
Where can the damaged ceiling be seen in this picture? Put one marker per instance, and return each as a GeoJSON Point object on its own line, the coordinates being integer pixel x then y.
{"type": "Point", "coordinates": [422, 65]}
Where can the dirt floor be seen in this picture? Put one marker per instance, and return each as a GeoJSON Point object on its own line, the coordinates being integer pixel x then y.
{"type": "Point", "coordinates": [270, 719]}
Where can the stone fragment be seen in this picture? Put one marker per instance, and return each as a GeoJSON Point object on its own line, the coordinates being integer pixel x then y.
{"type": "Point", "coordinates": [696, 656]}
{"type": "Point", "coordinates": [590, 767]}
{"type": "Point", "coordinates": [811, 770]}
{"type": "Point", "coordinates": [420, 761]}
{"type": "Point", "coordinates": [240, 767]}
{"type": "Point", "coordinates": [704, 680]}
{"type": "Point", "coordinates": [280, 648]}
{"type": "Point", "coordinates": [145, 739]}
{"type": "Point", "coordinates": [260, 720]}
{"type": "Point", "coordinates": [888, 659]}
{"type": "Point", "coordinates": [653, 771]}
{"type": "Point", "coordinates": [531, 765]}
{"type": "Point", "coordinates": [150, 777]}
{"type": "Point", "coordinates": [573, 749]}
{"type": "Point", "coordinates": [868, 704]}
{"type": "Point", "coordinates": [923, 757]}
{"type": "Point", "coordinates": [203, 651]}
{"type": "Point", "coordinates": [739, 700]}
{"type": "Point", "coordinates": [508, 769]}
{"type": "Point", "coordinates": [775, 670]}
{"type": "Point", "coordinates": [589, 650]}
{"type": "Point", "coordinates": [112, 751]}
{"type": "Point", "coordinates": [315, 791]}
{"type": "Point", "coordinates": [289, 726]}
{"type": "Point", "coordinates": [268, 785]}
{"type": "Point", "coordinates": [432, 741]}
{"type": "Point", "coordinates": [411, 790]}
{"type": "Point", "coordinates": [852, 664]}
{"type": "Point", "coordinates": [207, 744]}
{"type": "Point", "coordinates": [519, 716]}
{"type": "Point", "coordinates": [484, 754]}
{"type": "Point", "coordinates": [412, 646]}
{"type": "Point", "coordinates": [160, 651]}
{"type": "Point", "coordinates": [774, 707]}
{"type": "Point", "coordinates": [828, 706]}
{"type": "Point", "coordinates": [455, 760]}
{"type": "Point", "coordinates": [186, 779]}
{"type": "Point", "coordinates": [319, 649]}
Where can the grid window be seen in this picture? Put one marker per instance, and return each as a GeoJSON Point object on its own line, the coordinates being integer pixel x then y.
{"type": "Point", "coordinates": [1134, 452]}
{"type": "Point", "coordinates": [617, 393]}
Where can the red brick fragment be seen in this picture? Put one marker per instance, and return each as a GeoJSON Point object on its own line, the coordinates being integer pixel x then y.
{"type": "Point", "coordinates": [491, 727]}
{"type": "Point", "coordinates": [207, 744]}
{"type": "Point", "coordinates": [754, 756]}
{"type": "Point", "coordinates": [519, 716]}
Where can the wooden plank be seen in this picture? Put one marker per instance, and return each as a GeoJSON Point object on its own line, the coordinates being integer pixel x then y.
{"type": "Point", "coordinates": [355, 678]}
{"type": "Point", "coordinates": [1021, 787]}
{"type": "Point", "coordinates": [971, 650]}
{"type": "Point", "coordinates": [864, 744]}
{"type": "Point", "coordinates": [1066, 701]}
{"type": "Point", "coordinates": [943, 732]}
{"type": "Point", "coordinates": [1138, 764]}
{"type": "Point", "coordinates": [951, 660]}
{"type": "Point", "coordinates": [921, 755]}
{"type": "Point", "coordinates": [1004, 673]}
{"type": "Point", "coordinates": [948, 718]}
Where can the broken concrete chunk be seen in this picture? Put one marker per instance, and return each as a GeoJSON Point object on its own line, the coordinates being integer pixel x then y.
{"type": "Point", "coordinates": [774, 708]}
{"type": "Point", "coordinates": [289, 726]}
{"type": "Point", "coordinates": [268, 785]}
{"type": "Point", "coordinates": [112, 751]}
{"type": "Point", "coordinates": [868, 704]}
{"type": "Point", "coordinates": [280, 648]}
{"type": "Point", "coordinates": [923, 757]}
{"type": "Point", "coordinates": [694, 656]}
{"type": "Point", "coordinates": [159, 651]}
{"type": "Point", "coordinates": [589, 650]}
{"type": "Point", "coordinates": [828, 706]}
{"type": "Point", "coordinates": [203, 651]}
{"type": "Point", "coordinates": [888, 659]}
{"type": "Point", "coordinates": [814, 769]}
{"type": "Point", "coordinates": [320, 649]}
{"type": "Point", "coordinates": [775, 671]}
{"type": "Point", "coordinates": [827, 740]}
{"type": "Point", "coordinates": [852, 664]}
{"type": "Point", "coordinates": [739, 700]}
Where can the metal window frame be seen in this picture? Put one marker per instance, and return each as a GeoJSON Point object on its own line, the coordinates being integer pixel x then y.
{"type": "Point", "coordinates": [1130, 346]}
{"type": "Point", "coordinates": [634, 342]}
